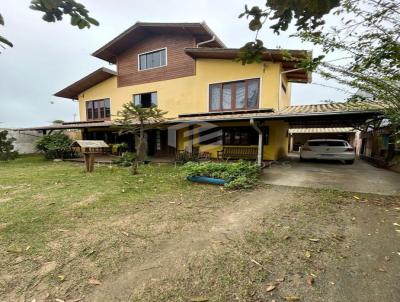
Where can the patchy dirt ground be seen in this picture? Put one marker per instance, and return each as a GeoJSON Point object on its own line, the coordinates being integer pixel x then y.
{"type": "Point", "coordinates": [191, 243]}
{"type": "Point", "coordinates": [289, 245]}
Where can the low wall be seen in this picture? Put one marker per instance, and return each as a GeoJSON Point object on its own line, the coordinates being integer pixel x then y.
{"type": "Point", "coordinates": [25, 140]}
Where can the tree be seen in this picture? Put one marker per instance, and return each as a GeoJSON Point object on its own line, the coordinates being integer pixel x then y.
{"type": "Point", "coordinates": [366, 33]}
{"type": "Point", "coordinates": [54, 10]}
{"type": "Point", "coordinates": [6, 147]}
{"type": "Point", "coordinates": [136, 119]}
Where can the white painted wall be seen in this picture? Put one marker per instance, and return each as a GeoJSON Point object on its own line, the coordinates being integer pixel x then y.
{"type": "Point", "coordinates": [25, 140]}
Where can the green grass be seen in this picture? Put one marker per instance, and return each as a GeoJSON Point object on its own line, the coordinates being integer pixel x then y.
{"type": "Point", "coordinates": [88, 223]}
{"type": "Point", "coordinates": [39, 196]}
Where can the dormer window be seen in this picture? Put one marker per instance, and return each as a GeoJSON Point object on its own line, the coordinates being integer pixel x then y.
{"type": "Point", "coordinates": [153, 59]}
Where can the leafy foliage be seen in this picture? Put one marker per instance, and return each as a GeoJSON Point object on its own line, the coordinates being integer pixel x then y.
{"type": "Point", "coordinates": [55, 145]}
{"type": "Point", "coordinates": [136, 119]}
{"type": "Point", "coordinates": [366, 33]}
{"type": "Point", "coordinates": [126, 160]}
{"type": "Point", "coordinates": [54, 10]}
{"type": "Point", "coordinates": [7, 147]}
{"type": "Point", "coordinates": [307, 13]}
{"type": "Point", "coordinates": [239, 175]}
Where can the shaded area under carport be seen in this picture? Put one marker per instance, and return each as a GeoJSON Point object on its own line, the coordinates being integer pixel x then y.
{"type": "Point", "coordinates": [360, 177]}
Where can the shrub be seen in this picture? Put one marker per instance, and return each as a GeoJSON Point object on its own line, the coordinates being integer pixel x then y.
{"type": "Point", "coordinates": [239, 175]}
{"type": "Point", "coordinates": [185, 157]}
{"type": "Point", "coordinates": [55, 145]}
{"type": "Point", "coordinates": [6, 147]}
{"type": "Point", "coordinates": [126, 160]}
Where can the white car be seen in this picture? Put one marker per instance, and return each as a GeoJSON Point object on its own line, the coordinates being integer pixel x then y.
{"type": "Point", "coordinates": [328, 149]}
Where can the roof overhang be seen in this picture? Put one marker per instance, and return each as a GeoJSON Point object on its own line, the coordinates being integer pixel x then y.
{"type": "Point", "coordinates": [142, 30]}
{"type": "Point", "coordinates": [292, 72]}
{"type": "Point", "coordinates": [96, 77]}
{"type": "Point", "coordinates": [305, 116]}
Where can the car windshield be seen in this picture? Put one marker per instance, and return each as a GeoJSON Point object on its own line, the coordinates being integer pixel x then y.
{"type": "Point", "coordinates": [327, 143]}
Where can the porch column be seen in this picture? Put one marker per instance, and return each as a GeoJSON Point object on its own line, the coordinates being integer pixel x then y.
{"type": "Point", "coordinates": [291, 142]}
{"type": "Point", "coordinates": [260, 142]}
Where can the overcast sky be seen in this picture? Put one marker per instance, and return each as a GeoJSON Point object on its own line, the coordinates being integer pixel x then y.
{"type": "Point", "coordinates": [47, 57]}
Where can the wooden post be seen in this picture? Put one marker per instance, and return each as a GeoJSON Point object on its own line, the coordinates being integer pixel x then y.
{"type": "Point", "coordinates": [89, 162]}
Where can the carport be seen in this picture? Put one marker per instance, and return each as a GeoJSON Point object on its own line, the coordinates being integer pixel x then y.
{"type": "Point", "coordinates": [331, 120]}
{"type": "Point", "coordinates": [360, 177]}
{"type": "Point", "coordinates": [299, 136]}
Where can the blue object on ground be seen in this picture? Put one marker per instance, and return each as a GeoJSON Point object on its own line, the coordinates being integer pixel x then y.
{"type": "Point", "coordinates": [207, 180]}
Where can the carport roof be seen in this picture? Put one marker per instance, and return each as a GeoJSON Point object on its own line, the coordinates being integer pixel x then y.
{"type": "Point", "coordinates": [322, 130]}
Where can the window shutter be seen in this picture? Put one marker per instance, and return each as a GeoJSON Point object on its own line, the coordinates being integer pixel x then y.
{"type": "Point", "coordinates": [136, 100]}
{"type": "Point", "coordinates": [154, 98]}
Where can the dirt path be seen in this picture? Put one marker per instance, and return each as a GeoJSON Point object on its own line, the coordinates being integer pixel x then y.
{"type": "Point", "coordinates": [371, 270]}
{"type": "Point", "coordinates": [169, 257]}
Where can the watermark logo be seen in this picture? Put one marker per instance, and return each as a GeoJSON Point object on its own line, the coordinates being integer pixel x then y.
{"type": "Point", "coordinates": [208, 135]}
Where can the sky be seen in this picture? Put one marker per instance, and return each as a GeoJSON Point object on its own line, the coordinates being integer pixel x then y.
{"type": "Point", "coordinates": [47, 57]}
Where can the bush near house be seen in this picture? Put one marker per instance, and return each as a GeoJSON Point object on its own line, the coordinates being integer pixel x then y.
{"type": "Point", "coordinates": [126, 160]}
{"type": "Point", "coordinates": [239, 175]}
{"type": "Point", "coordinates": [6, 147]}
{"type": "Point", "coordinates": [55, 145]}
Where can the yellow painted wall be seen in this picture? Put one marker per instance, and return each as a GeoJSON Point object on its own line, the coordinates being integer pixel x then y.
{"type": "Point", "coordinates": [277, 147]}
{"type": "Point", "coordinates": [285, 97]}
{"type": "Point", "coordinates": [190, 94]}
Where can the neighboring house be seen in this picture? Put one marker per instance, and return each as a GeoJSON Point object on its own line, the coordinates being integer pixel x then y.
{"type": "Point", "coordinates": [381, 147]}
{"type": "Point", "coordinates": [212, 100]}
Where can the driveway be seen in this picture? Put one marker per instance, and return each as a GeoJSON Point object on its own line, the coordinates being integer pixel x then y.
{"type": "Point", "coordinates": [359, 177]}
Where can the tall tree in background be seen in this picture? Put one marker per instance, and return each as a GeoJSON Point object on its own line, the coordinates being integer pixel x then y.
{"type": "Point", "coordinates": [136, 120]}
{"type": "Point", "coordinates": [54, 10]}
{"type": "Point", "coordinates": [366, 33]}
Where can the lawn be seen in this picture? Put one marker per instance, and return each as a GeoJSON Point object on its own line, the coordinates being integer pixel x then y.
{"type": "Point", "coordinates": [60, 227]}
{"type": "Point", "coordinates": [109, 236]}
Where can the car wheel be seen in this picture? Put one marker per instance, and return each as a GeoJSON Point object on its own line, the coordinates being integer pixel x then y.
{"type": "Point", "coordinates": [349, 162]}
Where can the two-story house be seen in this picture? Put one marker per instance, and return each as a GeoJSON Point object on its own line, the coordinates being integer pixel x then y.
{"type": "Point", "coordinates": [212, 101]}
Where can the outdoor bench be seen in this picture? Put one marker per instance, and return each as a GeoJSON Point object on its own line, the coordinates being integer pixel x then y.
{"type": "Point", "coordinates": [238, 153]}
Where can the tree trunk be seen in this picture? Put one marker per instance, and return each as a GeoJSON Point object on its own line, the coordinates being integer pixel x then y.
{"type": "Point", "coordinates": [140, 152]}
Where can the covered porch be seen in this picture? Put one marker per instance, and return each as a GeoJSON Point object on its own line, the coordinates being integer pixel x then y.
{"type": "Point", "coordinates": [260, 135]}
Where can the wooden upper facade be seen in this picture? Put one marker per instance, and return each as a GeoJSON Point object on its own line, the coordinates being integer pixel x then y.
{"type": "Point", "coordinates": [178, 64]}
{"type": "Point", "coordinates": [183, 68]}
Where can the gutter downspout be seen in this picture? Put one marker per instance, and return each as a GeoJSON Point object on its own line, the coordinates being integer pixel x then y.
{"type": "Point", "coordinates": [206, 42]}
{"type": "Point", "coordinates": [260, 142]}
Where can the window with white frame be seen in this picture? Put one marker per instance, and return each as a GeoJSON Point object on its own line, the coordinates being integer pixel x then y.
{"type": "Point", "coordinates": [145, 100]}
{"type": "Point", "coordinates": [153, 59]}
